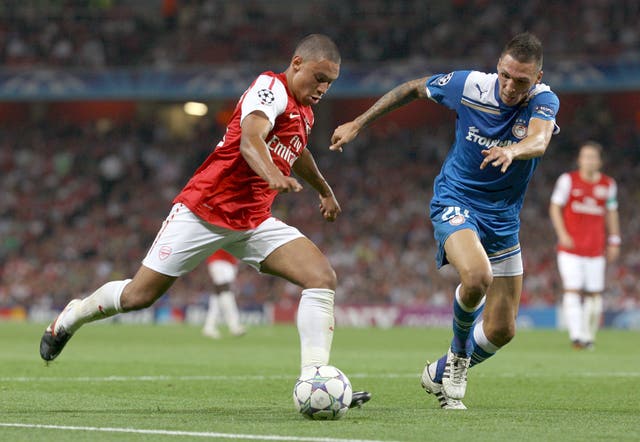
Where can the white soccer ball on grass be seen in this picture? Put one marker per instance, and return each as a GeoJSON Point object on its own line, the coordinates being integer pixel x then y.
{"type": "Point", "coordinates": [322, 392]}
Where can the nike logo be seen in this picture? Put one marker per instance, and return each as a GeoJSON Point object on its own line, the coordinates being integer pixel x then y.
{"type": "Point", "coordinates": [292, 115]}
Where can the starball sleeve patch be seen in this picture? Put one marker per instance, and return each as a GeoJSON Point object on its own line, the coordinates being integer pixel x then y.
{"type": "Point", "coordinates": [266, 96]}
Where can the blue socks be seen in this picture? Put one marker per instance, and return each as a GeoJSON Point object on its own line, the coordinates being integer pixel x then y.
{"type": "Point", "coordinates": [463, 320]}
{"type": "Point", "coordinates": [469, 339]}
{"type": "Point", "coordinates": [483, 349]}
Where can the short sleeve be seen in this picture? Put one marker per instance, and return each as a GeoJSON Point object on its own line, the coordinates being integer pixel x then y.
{"type": "Point", "coordinates": [561, 190]}
{"type": "Point", "coordinates": [446, 89]}
{"type": "Point", "coordinates": [268, 95]}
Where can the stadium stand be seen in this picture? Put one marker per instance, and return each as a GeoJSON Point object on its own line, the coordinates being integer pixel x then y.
{"type": "Point", "coordinates": [82, 200]}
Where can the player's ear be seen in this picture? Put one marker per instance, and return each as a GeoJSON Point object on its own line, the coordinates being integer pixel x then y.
{"type": "Point", "coordinates": [296, 62]}
{"type": "Point", "coordinates": [540, 74]}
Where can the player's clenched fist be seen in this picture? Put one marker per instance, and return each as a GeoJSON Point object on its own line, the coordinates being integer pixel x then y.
{"type": "Point", "coordinates": [284, 184]}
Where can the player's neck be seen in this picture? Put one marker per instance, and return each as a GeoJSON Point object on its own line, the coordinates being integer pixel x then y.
{"type": "Point", "coordinates": [590, 177]}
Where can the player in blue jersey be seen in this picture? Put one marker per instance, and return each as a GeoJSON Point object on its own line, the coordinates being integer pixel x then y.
{"type": "Point", "coordinates": [504, 123]}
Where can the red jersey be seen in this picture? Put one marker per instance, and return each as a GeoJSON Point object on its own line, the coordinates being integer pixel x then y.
{"type": "Point", "coordinates": [222, 255]}
{"type": "Point", "coordinates": [225, 191]}
{"type": "Point", "coordinates": [585, 205]}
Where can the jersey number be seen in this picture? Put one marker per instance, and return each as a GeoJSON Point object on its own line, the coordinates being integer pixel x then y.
{"type": "Point", "coordinates": [453, 211]}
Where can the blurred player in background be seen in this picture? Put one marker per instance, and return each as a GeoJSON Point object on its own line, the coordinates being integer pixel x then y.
{"type": "Point", "coordinates": [504, 125]}
{"type": "Point", "coordinates": [223, 269]}
{"type": "Point", "coordinates": [227, 204]}
{"type": "Point", "coordinates": [584, 213]}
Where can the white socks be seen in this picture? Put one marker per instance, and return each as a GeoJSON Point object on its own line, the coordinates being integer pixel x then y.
{"type": "Point", "coordinates": [592, 312]}
{"type": "Point", "coordinates": [582, 316]}
{"type": "Point", "coordinates": [101, 304]}
{"type": "Point", "coordinates": [315, 326]}
{"type": "Point", "coordinates": [227, 303]}
{"type": "Point", "coordinates": [211, 320]}
{"type": "Point", "coordinates": [572, 306]}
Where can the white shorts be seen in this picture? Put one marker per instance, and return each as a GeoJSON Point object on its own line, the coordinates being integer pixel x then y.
{"type": "Point", "coordinates": [582, 273]}
{"type": "Point", "coordinates": [184, 241]}
{"type": "Point", "coordinates": [222, 271]}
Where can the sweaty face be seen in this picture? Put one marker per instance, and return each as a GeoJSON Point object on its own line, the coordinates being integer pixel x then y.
{"type": "Point", "coordinates": [516, 79]}
{"type": "Point", "coordinates": [312, 79]}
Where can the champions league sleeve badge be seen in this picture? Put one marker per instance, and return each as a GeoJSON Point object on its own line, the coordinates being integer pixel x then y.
{"type": "Point", "coordinates": [266, 96]}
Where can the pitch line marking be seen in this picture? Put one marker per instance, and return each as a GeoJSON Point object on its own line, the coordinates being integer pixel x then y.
{"type": "Point", "coordinates": [186, 378]}
{"type": "Point", "coordinates": [281, 377]}
{"type": "Point", "coordinates": [211, 435]}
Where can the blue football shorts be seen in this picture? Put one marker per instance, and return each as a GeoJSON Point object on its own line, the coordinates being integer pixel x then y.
{"type": "Point", "coordinates": [499, 236]}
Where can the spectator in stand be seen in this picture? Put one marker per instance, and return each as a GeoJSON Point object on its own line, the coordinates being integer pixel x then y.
{"type": "Point", "coordinates": [179, 32]}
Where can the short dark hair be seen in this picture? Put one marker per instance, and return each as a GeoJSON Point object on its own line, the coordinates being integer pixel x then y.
{"type": "Point", "coordinates": [525, 48]}
{"type": "Point", "coordinates": [318, 47]}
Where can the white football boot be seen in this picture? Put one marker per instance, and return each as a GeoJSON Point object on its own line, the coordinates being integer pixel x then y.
{"type": "Point", "coordinates": [454, 378]}
{"type": "Point", "coordinates": [435, 388]}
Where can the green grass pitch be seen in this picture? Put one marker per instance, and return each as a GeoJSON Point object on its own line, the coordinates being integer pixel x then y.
{"type": "Point", "coordinates": [119, 382]}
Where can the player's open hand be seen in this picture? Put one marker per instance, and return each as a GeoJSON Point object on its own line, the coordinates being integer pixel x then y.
{"type": "Point", "coordinates": [343, 134]}
{"type": "Point", "coordinates": [329, 207]}
{"type": "Point", "coordinates": [501, 157]}
{"type": "Point", "coordinates": [285, 184]}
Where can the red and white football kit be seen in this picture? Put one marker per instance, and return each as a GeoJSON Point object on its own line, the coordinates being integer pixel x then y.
{"type": "Point", "coordinates": [222, 267]}
{"type": "Point", "coordinates": [225, 203]}
{"type": "Point", "coordinates": [585, 205]}
{"type": "Point", "coordinates": [225, 191]}
{"type": "Point", "coordinates": [222, 255]}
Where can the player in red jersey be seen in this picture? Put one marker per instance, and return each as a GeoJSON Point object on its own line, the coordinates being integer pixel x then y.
{"type": "Point", "coordinates": [223, 268]}
{"type": "Point", "coordinates": [227, 204]}
{"type": "Point", "coordinates": [584, 213]}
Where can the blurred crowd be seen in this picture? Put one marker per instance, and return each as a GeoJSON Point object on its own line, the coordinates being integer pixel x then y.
{"type": "Point", "coordinates": [81, 204]}
{"type": "Point", "coordinates": [166, 33]}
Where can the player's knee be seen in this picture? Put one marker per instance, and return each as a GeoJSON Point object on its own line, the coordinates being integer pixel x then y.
{"type": "Point", "coordinates": [501, 334]}
{"type": "Point", "coordinates": [322, 278]}
{"type": "Point", "coordinates": [476, 281]}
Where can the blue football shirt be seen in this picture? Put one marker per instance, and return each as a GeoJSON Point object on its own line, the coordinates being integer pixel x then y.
{"type": "Point", "coordinates": [483, 121]}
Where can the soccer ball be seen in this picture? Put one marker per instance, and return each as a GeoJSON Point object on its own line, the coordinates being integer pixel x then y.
{"type": "Point", "coordinates": [322, 392]}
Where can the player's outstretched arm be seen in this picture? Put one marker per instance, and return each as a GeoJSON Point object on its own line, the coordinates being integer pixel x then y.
{"type": "Point", "coordinates": [395, 98]}
{"type": "Point", "coordinates": [255, 128]}
{"type": "Point", "coordinates": [307, 169]}
{"type": "Point", "coordinates": [533, 145]}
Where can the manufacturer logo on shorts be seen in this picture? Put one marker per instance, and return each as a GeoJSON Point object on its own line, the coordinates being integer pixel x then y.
{"type": "Point", "coordinates": [164, 253]}
{"type": "Point", "coordinates": [457, 220]}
